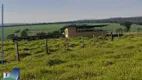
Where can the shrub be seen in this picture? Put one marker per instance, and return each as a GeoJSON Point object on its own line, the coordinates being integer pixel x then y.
{"type": "Point", "coordinates": [139, 29]}
{"type": "Point", "coordinates": [127, 25]}
{"type": "Point", "coordinates": [17, 31]}
{"type": "Point", "coordinates": [24, 34]}
{"type": "Point", "coordinates": [11, 36]}
{"type": "Point", "coordinates": [26, 29]}
{"type": "Point", "coordinates": [41, 35]}
{"type": "Point", "coordinates": [119, 30]}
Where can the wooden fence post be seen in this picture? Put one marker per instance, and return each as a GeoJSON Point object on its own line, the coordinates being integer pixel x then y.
{"type": "Point", "coordinates": [82, 42]}
{"type": "Point", "coordinates": [46, 47]}
{"type": "Point", "coordinates": [118, 34]}
{"type": "Point", "coordinates": [67, 43]}
{"type": "Point", "coordinates": [29, 46]}
{"type": "Point", "coordinates": [103, 35]}
{"type": "Point", "coordinates": [17, 51]}
{"type": "Point", "coordinates": [94, 39]}
{"type": "Point", "coordinates": [112, 36]}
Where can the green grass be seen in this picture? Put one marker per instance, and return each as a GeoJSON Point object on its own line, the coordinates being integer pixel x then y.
{"type": "Point", "coordinates": [104, 60]}
{"type": "Point", "coordinates": [54, 27]}
{"type": "Point", "coordinates": [36, 28]}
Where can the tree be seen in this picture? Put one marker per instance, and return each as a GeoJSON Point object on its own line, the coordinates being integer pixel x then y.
{"type": "Point", "coordinates": [127, 25]}
{"type": "Point", "coordinates": [119, 30]}
{"type": "Point", "coordinates": [17, 31]}
{"type": "Point", "coordinates": [24, 34]}
{"type": "Point", "coordinates": [26, 29]}
{"type": "Point", "coordinates": [41, 35]}
{"type": "Point", "coordinates": [56, 33]}
{"type": "Point", "coordinates": [11, 36]}
{"type": "Point", "coordinates": [139, 29]}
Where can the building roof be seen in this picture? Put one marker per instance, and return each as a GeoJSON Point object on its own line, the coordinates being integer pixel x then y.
{"type": "Point", "coordinates": [85, 26]}
{"type": "Point", "coordinates": [82, 26]}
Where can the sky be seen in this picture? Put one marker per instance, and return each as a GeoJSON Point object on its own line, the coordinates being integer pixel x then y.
{"type": "Point", "coordinates": [33, 11]}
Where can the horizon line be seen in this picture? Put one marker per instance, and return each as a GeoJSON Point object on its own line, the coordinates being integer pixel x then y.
{"type": "Point", "coordinates": [52, 22]}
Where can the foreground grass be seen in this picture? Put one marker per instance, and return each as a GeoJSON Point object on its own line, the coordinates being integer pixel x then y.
{"type": "Point", "coordinates": [104, 60]}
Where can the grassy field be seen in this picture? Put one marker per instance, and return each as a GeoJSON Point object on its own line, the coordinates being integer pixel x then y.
{"type": "Point", "coordinates": [54, 27]}
{"type": "Point", "coordinates": [36, 28]}
{"type": "Point", "coordinates": [104, 60]}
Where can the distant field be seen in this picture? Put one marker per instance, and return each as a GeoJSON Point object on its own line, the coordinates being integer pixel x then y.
{"type": "Point", "coordinates": [37, 28]}
{"type": "Point", "coordinates": [54, 27]}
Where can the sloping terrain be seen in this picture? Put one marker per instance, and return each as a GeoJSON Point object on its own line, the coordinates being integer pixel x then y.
{"type": "Point", "coordinates": [120, 59]}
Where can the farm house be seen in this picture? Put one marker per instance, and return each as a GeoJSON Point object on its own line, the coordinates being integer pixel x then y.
{"type": "Point", "coordinates": [84, 30]}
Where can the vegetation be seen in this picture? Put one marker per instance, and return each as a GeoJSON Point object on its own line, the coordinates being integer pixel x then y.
{"type": "Point", "coordinates": [26, 29]}
{"type": "Point", "coordinates": [11, 36]}
{"type": "Point", "coordinates": [139, 30]}
{"type": "Point", "coordinates": [24, 33]}
{"type": "Point", "coordinates": [127, 25]}
{"type": "Point", "coordinates": [41, 35]}
{"type": "Point", "coordinates": [120, 30]}
{"type": "Point", "coordinates": [33, 30]}
{"type": "Point", "coordinates": [17, 31]}
{"type": "Point", "coordinates": [103, 60]}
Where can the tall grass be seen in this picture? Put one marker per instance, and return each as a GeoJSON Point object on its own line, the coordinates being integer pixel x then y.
{"type": "Point", "coordinates": [120, 59]}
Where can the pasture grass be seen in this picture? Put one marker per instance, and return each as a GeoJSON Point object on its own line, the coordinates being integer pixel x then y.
{"type": "Point", "coordinates": [120, 59]}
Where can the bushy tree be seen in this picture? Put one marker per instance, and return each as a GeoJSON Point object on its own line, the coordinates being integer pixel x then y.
{"type": "Point", "coordinates": [41, 35]}
{"type": "Point", "coordinates": [127, 25]}
{"type": "Point", "coordinates": [139, 29]}
{"type": "Point", "coordinates": [56, 33]}
{"type": "Point", "coordinates": [17, 31]}
{"type": "Point", "coordinates": [26, 29]}
{"type": "Point", "coordinates": [119, 30]}
{"type": "Point", "coordinates": [24, 33]}
{"type": "Point", "coordinates": [11, 36]}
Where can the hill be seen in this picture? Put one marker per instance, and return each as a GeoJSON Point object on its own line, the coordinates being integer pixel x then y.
{"type": "Point", "coordinates": [102, 60]}
{"type": "Point", "coordinates": [135, 20]}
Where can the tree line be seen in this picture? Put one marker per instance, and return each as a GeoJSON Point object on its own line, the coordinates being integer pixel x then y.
{"type": "Point", "coordinates": [59, 33]}
{"type": "Point", "coordinates": [39, 35]}
{"type": "Point", "coordinates": [134, 20]}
